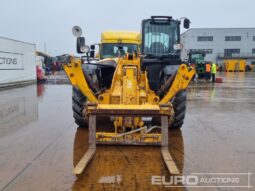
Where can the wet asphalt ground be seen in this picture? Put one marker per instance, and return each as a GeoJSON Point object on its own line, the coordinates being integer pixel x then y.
{"type": "Point", "coordinates": [40, 143]}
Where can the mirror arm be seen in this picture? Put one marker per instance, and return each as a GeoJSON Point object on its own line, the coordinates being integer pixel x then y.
{"type": "Point", "coordinates": [87, 55]}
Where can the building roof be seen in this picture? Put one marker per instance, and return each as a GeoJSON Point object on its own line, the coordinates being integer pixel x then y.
{"type": "Point", "coordinates": [17, 40]}
{"type": "Point", "coordinates": [219, 29]}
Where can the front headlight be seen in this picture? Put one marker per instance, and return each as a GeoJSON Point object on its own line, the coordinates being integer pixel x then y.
{"type": "Point", "coordinates": [177, 46]}
{"type": "Point", "coordinates": [85, 49]}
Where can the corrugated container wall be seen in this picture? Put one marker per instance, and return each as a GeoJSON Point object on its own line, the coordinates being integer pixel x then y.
{"type": "Point", "coordinates": [17, 62]}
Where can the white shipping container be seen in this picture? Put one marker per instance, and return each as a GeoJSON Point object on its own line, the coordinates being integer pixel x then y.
{"type": "Point", "coordinates": [17, 62]}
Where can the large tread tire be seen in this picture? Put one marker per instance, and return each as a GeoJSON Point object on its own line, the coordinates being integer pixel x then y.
{"type": "Point", "coordinates": [79, 100]}
{"type": "Point", "coordinates": [179, 105]}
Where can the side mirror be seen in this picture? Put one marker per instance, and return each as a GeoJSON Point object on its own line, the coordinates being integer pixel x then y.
{"type": "Point", "coordinates": [80, 42]}
{"type": "Point", "coordinates": [186, 23]}
{"type": "Point", "coordinates": [92, 51]}
{"type": "Point", "coordinates": [81, 45]}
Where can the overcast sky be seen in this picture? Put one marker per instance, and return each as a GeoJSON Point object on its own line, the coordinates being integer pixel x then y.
{"type": "Point", "coordinates": [50, 21]}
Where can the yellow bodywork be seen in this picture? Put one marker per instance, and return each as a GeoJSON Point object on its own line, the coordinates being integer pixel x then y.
{"type": "Point", "coordinates": [76, 77]}
{"type": "Point", "coordinates": [120, 37]}
{"type": "Point", "coordinates": [126, 37]}
{"type": "Point", "coordinates": [130, 96]}
{"type": "Point", "coordinates": [129, 87]}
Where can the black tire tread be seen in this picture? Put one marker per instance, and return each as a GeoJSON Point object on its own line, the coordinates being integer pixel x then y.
{"type": "Point", "coordinates": [78, 102]}
{"type": "Point", "coordinates": [179, 105]}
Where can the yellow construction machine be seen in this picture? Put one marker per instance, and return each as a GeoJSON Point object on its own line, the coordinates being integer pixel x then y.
{"type": "Point", "coordinates": [134, 91]}
{"type": "Point", "coordinates": [115, 42]}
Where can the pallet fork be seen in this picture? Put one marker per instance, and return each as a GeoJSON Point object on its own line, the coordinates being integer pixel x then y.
{"type": "Point", "coordinates": [160, 139]}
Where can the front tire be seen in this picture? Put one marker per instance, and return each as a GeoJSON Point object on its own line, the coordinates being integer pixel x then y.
{"type": "Point", "coordinates": [179, 105]}
{"type": "Point", "coordinates": [79, 100]}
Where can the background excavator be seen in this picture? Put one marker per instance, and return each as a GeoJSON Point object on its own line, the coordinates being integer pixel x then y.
{"type": "Point", "coordinates": [135, 90]}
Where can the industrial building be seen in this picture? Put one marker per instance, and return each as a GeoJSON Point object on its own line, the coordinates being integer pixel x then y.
{"type": "Point", "coordinates": [17, 62]}
{"type": "Point", "coordinates": [220, 43]}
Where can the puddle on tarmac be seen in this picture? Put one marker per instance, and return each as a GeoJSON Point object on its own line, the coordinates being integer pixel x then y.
{"type": "Point", "coordinates": [217, 136]}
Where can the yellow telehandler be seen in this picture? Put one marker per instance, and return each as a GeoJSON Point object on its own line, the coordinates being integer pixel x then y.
{"type": "Point", "coordinates": [112, 45]}
{"type": "Point", "coordinates": [113, 41]}
{"type": "Point", "coordinates": [134, 91]}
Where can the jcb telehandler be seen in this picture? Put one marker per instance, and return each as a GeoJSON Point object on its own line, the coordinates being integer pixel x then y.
{"type": "Point", "coordinates": [134, 91]}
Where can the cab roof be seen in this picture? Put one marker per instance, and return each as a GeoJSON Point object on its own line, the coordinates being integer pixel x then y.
{"type": "Point", "coordinates": [120, 36]}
